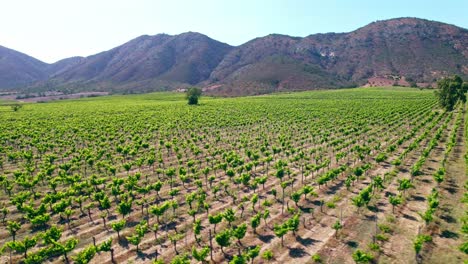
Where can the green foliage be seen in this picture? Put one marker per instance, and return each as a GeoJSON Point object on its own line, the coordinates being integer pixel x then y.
{"type": "Point", "coordinates": [464, 247]}
{"type": "Point", "coordinates": [193, 94]}
{"type": "Point", "coordinates": [451, 90]}
{"type": "Point", "coordinates": [267, 255]}
{"type": "Point", "coordinates": [419, 241]}
{"type": "Point", "coordinates": [316, 258]}
{"type": "Point", "coordinates": [85, 159]}
{"type": "Point", "coordinates": [16, 107]}
{"type": "Point", "coordinates": [223, 238]}
{"type": "Point", "coordinates": [85, 255]}
{"type": "Point", "coordinates": [200, 255]}
{"type": "Point", "coordinates": [360, 256]}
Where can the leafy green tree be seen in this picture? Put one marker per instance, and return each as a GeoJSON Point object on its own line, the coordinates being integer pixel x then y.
{"type": "Point", "coordinates": [85, 255]}
{"type": "Point", "coordinates": [193, 94]}
{"type": "Point", "coordinates": [52, 235]}
{"type": "Point", "coordinates": [118, 226]}
{"type": "Point", "coordinates": [229, 215]}
{"type": "Point", "coordinates": [255, 222]}
{"type": "Point", "coordinates": [439, 175]}
{"type": "Point", "coordinates": [238, 259]}
{"type": "Point", "coordinates": [159, 210]}
{"type": "Point", "coordinates": [451, 90]}
{"type": "Point", "coordinates": [125, 207]}
{"type": "Point", "coordinates": [174, 238]}
{"type": "Point", "coordinates": [13, 227]}
{"type": "Point", "coordinates": [296, 196]}
{"type": "Point", "coordinates": [337, 226]}
{"type": "Point", "coordinates": [215, 219]}
{"type": "Point", "coordinates": [200, 255]}
{"type": "Point", "coordinates": [135, 240]}
{"type": "Point", "coordinates": [280, 231]}
{"type": "Point", "coordinates": [267, 255]}
{"type": "Point", "coordinates": [405, 184]}
{"type": "Point", "coordinates": [22, 246]}
{"type": "Point", "coordinates": [360, 256]}
{"type": "Point", "coordinates": [65, 248]}
{"type": "Point", "coordinates": [223, 239]}
{"type": "Point", "coordinates": [293, 223]}
{"type": "Point", "coordinates": [16, 107]}
{"type": "Point", "coordinates": [197, 227]}
{"type": "Point", "coordinates": [179, 259]}
{"type": "Point", "coordinates": [252, 253]}
{"type": "Point", "coordinates": [419, 241]}
{"type": "Point", "coordinates": [239, 232]}
{"type": "Point", "coordinates": [395, 201]}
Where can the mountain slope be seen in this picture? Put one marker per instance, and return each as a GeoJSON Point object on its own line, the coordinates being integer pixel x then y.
{"type": "Point", "coordinates": [156, 60]}
{"type": "Point", "coordinates": [18, 69]}
{"type": "Point", "coordinates": [409, 48]}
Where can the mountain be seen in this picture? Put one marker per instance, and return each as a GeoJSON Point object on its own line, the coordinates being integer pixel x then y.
{"type": "Point", "coordinates": [402, 51]}
{"type": "Point", "coordinates": [18, 69]}
{"type": "Point", "coordinates": [410, 49]}
{"type": "Point", "coordinates": [146, 63]}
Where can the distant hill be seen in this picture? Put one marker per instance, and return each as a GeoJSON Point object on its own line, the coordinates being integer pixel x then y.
{"type": "Point", "coordinates": [146, 63]}
{"type": "Point", "coordinates": [396, 51]}
{"type": "Point", "coordinates": [18, 69]}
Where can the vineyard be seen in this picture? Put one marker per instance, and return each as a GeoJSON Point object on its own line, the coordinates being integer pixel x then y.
{"type": "Point", "coordinates": [355, 175]}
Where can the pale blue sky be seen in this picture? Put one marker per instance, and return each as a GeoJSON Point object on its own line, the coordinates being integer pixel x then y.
{"type": "Point", "coordinates": [55, 29]}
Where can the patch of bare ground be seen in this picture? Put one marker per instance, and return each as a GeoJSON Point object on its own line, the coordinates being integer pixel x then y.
{"type": "Point", "coordinates": [446, 230]}
{"type": "Point", "coordinates": [359, 230]}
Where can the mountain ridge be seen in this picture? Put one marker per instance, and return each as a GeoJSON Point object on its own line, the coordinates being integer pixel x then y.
{"type": "Point", "coordinates": [401, 50]}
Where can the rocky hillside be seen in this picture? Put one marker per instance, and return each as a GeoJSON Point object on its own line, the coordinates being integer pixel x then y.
{"type": "Point", "coordinates": [18, 69]}
{"type": "Point", "coordinates": [399, 50]}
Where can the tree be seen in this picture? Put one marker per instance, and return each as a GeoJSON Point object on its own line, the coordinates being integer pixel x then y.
{"type": "Point", "coordinates": [280, 231]}
{"type": "Point", "coordinates": [419, 241]}
{"type": "Point", "coordinates": [118, 226]}
{"type": "Point", "coordinates": [193, 93]}
{"type": "Point", "coordinates": [124, 208]}
{"type": "Point", "coordinates": [13, 227]}
{"type": "Point", "coordinates": [229, 215]}
{"type": "Point", "coordinates": [223, 239]}
{"type": "Point", "coordinates": [215, 219]}
{"type": "Point", "coordinates": [174, 238]}
{"type": "Point", "coordinates": [253, 253]}
{"type": "Point", "coordinates": [159, 210]}
{"type": "Point", "coordinates": [239, 232]}
{"type": "Point", "coordinates": [255, 222]}
{"type": "Point", "coordinates": [23, 246]}
{"type": "Point", "coordinates": [16, 107]}
{"type": "Point", "coordinates": [439, 175]}
{"type": "Point", "coordinates": [267, 255]}
{"type": "Point", "coordinates": [135, 240]}
{"type": "Point", "coordinates": [293, 223]}
{"type": "Point", "coordinates": [86, 255]}
{"type": "Point", "coordinates": [197, 227]}
{"type": "Point", "coordinates": [404, 184]}
{"type": "Point", "coordinates": [337, 226]}
{"type": "Point", "coordinates": [67, 247]}
{"type": "Point", "coordinates": [296, 196]}
{"type": "Point", "coordinates": [200, 255]}
{"type": "Point", "coordinates": [451, 90]}
{"type": "Point", "coordinates": [362, 257]}
{"type": "Point", "coordinates": [394, 201]}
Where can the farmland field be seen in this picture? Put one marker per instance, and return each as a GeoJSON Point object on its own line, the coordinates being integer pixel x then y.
{"type": "Point", "coordinates": [331, 175]}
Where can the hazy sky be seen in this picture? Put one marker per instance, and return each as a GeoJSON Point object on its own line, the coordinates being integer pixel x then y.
{"type": "Point", "coordinates": [55, 29]}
